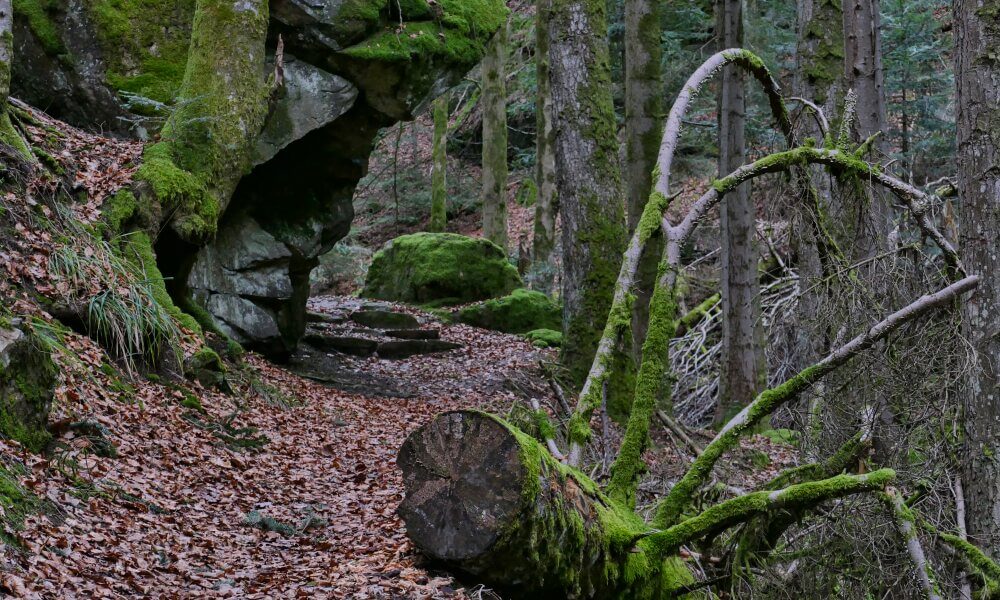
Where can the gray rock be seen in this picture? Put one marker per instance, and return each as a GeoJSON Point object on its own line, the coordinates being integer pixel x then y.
{"type": "Point", "coordinates": [414, 334]}
{"type": "Point", "coordinates": [244, 320]}
{"type": "Point", "coordinates": [408, 348]}
{"type": "Point", "coordinates": [313, 98]}
{"type": "Point", "coordinates": [27, 384]}
{"type": "Point", "coordinates": [354, 346]}
{"type": "Point", "coordinates": [384, 319]}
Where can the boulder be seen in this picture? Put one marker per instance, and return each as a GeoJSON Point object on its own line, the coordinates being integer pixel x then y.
{"type": "Point", "coordinates": [27, 383]}
{"type": "Point", "coordinates": [414, 334]}
{"type": "Point", "coordinates": [545, 338]}
{"type": "Point", "coordinates": [520, 312]}
{"type": "Point", "coordinates": [427, 267]}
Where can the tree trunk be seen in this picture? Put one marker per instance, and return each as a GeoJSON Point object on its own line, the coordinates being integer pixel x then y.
{"type": "Point", "coordinates": [544, 239]}
{"type": "Point", "coordinates": [864, 74]}
{"type": "Point", "coordinates": [206, 145]}
{"type": "Point", "coordinates": [439, 166]}
{"type": "Point", "coordinates": [977, 73]}
{"type": "Point", "coordinates": [742, 371]}
{"type": "Point", "coordinates": [8, 134]}
{"type": "Point", "coordinates": [643, 130]}
{"type": "Point", "coordinates": [588, 177]}
{"type": "Point", "coordinates": [491, 501]}
{"type": "Point", "coordinates": [494, 101]}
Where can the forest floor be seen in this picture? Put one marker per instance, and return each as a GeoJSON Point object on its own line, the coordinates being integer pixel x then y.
{"type": "Point", "coordinates": [173, 514]}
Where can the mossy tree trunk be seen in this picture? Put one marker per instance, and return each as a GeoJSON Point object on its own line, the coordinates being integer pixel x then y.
{"type": "Point", "coordinates": [643, 130]}
{"type": "Point", "coordinates": [591, 208]}
{"type": "Point", "coordinates": [544, 239]}
{"type": "Point", "coordinates": [494, 101]}
{"type": "Point", "coordinates": [742, 371]}
{"type": "Point", "coordinates": [439, 166]}
{"type": "Point", "coordinates": [205, 146]}
{"type": "Point", "coordinates": [977, 72]}
{"type": "Point", "coordinates": [8, 134]}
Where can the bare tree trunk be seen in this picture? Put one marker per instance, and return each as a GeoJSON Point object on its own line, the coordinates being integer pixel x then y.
{"type": "Point", "coordinates": [439, 166]}
{"type": "Point", "coordinates": [494, 101]}
{"type": "Point", "coordinates": [643, 130]}
{"type": "Point", "coordinates": [589, 181]}
{"type": "Point", "coordinates": [544, 240]}
{"type": "Point", "coordinates": [742, 371]}
{"type": "Point", "coordinates": [864, 74]}
{"type": "Point", "coordinates": [977, 73]}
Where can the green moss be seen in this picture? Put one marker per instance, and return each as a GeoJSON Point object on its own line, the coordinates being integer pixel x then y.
{"type": "Point", "coordinates": [424, 267]}
{"type": "Point", "coordinates": [207, 142]}
{"type": "Point", "coordinates": [38, 15]}
{"type": "Point", "coordinates": [144, 43]}
{"type": "Point", "coordinates": [118, 209]}
{"type": "Point", "coordinates": [458, 36]}
{"type": "Point", "coordinates": [782, 436]}
{"type": "Point", "coordinates": [17, 503]}
{"type": "Point", "coordinates": [544, 338]}
{"type": "Point", "coordinates": [522, 311]}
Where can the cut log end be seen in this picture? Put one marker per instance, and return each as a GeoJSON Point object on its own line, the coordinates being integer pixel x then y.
{"type": "Point", "coordinates": [464, 480]}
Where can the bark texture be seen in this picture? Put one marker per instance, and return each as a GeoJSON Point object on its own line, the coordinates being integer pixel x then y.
{"type": "Point", "coordinates": [439, 166]}
{"type": "Point", "coordinates": [491, 501]}
{"type": "Point", "coordinates": [589, 180]}
{"type": "Point", "coordinates": [494, 101]}
{"type": "Point", "coordinates": [977, 72]}
{"type": "Point", "coordinates": [643, 130]}
{"type": "Point", "coordinates": [742, 370]}
{"type": "Point", "coordinates": [545, 161]}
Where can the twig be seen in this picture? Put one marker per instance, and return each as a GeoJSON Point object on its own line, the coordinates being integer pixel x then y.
{"type": "Point", "coordinates": [679, 432]}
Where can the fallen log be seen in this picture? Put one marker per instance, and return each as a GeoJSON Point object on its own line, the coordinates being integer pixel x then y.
{"type": "Point", "coordinates": [488, 500]}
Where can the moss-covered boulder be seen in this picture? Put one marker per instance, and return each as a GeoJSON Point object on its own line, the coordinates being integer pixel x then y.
{"type": "Point", "coordinates": [544, 338]}
{"type": "Point", "coordinates": [27, 384]}
{"type": "Point", "coordinates": [520, 312]}
{"type": "Point", "coordinates": [427, 267]}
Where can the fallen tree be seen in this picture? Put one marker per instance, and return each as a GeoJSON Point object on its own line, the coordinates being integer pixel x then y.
{"type": "Point", "coordinates": [489, 500]}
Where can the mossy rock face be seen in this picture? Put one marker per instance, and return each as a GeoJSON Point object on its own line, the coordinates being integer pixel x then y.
{"type": "Point", "coordinates": [520, 312]}
{"type": "Point", "coordinates": [424, 267]}
{"type": "Point", "coordinates": [27, 384]}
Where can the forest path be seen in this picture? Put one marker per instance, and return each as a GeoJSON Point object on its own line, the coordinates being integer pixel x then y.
{"type": "Point", "coordinates": [173, 516]}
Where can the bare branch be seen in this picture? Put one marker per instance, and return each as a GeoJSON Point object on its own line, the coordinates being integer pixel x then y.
{"type": "Point", "coordinates": [906, 525]}
{"type": "Point", "coordinates": [768, 401]}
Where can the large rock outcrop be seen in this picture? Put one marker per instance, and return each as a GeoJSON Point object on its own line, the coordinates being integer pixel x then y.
{"type": "Point", "coordinates": [352, 67]}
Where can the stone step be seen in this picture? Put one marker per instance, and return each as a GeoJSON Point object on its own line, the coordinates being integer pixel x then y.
{"type": "Point", "coordinates": [354, 346]}
{"type": "Point", "coordinates": [408, 348]}
{"type": "Point", "coordinates": [332, 319]}
{"type": "Point", "coordinates": [414, 334]}
{"type": "Point", "coordinates": [384, 319]}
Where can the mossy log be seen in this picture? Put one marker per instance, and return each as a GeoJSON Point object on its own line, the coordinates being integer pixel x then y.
{"type": "Point", "coordinates": [489, 500]}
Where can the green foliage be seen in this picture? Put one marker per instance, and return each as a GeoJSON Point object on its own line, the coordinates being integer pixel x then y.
{"type": "Point", "coordinates": [423, 267]}
{"type": "Point", "coordinates": [520, 312]}
{"type": "Point", "coordinates": [17, 503]}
